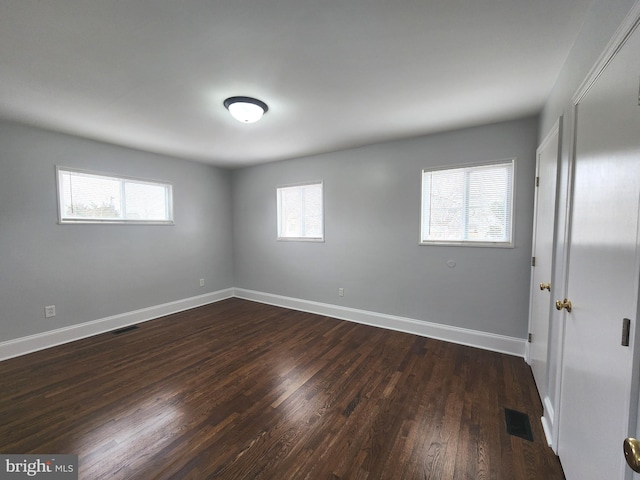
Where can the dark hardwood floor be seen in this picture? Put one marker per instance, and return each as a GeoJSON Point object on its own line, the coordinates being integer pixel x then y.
{"type": "Point", "coordinates": [239, 390]}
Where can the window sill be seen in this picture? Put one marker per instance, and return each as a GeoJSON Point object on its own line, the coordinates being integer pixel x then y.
{"type": "Point", "coordinates": [300, 239]}
{"type": "Point", "coordinates": [469, 244]}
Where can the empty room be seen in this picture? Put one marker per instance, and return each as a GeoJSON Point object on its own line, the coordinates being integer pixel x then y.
{"type": "Point", "coordinates": [319, 240]}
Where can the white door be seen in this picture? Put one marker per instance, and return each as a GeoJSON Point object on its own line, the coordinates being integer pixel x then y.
{"type": "Point", "coordinates": [544, 222]}
{"type": "Point", "coordinates": [596, 396]}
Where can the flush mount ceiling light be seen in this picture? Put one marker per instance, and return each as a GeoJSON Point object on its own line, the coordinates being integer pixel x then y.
{"type": "Point", "coordinates": [246, 109]}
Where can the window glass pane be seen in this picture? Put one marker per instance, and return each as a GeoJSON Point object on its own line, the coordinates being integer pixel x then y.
{"type": "Point", "coordinates": [312, 211]}
{"type": "Point", "coordinates": [146, 201]}
{"type": "Point", "coordinates": [291, 212]}
{"type": "Point", "coordinates": [91, 197]}
{"type": "Point", "coordinates": [468, 204]}
{"type": "Point", "coordinates": [487, 208]}
{"type": "Point", "coordinates": [446, 214]}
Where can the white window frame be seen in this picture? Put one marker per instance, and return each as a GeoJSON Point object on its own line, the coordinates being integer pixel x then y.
{"type": "Point", "coordinates": [509, 243]}
{"type": "Point", "coordinates": [279, 219]}
{"type": "Point", "coordinates": [69, 220]}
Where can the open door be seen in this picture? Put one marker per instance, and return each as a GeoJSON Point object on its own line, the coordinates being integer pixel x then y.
{"type": "Point", "coordinates": [598, 398]}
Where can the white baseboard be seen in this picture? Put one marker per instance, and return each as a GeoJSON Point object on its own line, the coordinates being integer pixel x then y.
{"type": "Point", "coordinates": [40, 341]}
{"type": "Point", "coordinates": [547, 420]}
{"type": "Point", "coordinates": [463, 336]}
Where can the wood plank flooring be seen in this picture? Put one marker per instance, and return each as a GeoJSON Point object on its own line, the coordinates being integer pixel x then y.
{"type": "Point", "coordinates": [240, 390]}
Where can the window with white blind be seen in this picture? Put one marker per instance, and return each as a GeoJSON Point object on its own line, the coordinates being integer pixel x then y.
{"type": "Point", "coordinates": [88, 197]}
{"type": "Point", "coordinates": [300, 212]}
{"type": "Point", "coordinates": [471, 205]}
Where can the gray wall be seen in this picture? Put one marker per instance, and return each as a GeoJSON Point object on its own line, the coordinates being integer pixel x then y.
{"type": "Point", "coordinates": [94, 271]}
{"type": "Point", "coordinates": [599, 26]}
{"type": "Point", "coordinates": [372, 210]}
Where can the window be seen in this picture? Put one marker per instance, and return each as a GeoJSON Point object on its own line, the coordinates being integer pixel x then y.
{"type": "Point", "coordinates": [85, 197]}
{"type": "Point", "coordinates": [300, 212]}
{"type": "Point", "coordinates": [468, 205]}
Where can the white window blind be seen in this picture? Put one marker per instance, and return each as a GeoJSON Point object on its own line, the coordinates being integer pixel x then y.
{"type": "Point", "coordinates": [468, 205]}
{"type": "Point", "coordinates": [86, 197]}
{"type": "Point", "coordinates": [300, 212]}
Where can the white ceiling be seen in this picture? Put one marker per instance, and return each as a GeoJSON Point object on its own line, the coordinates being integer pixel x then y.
{"type": "Point", "coordinates": [153, 74]}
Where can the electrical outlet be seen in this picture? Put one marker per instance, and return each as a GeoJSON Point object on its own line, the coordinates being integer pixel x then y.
{"type": "Point", "coordinates": [202, 282]}
{"type": "Point", "coordinates": [341, 292]}
{"type": "Point", "coordinates": [50, 311]}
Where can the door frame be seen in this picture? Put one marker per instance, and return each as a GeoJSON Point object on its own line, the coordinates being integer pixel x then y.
{"type": "Point", "coordinates": [626, 28]}
{"type": "Point", "coordinates": [556, 130]}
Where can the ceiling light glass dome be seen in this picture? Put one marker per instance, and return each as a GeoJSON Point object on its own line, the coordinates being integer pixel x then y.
{"type": "Point", "coordinates": [246, 109]}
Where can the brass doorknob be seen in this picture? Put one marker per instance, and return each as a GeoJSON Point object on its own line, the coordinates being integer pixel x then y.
{"type": "Point", "coordinates": [566, 304]}
{"type": "Point", "coordinates": [545, 286]}
{"type": "Point", "coordinates": [631, 449]}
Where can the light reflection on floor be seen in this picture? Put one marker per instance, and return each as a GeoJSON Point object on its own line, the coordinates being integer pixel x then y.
{"type": "Point", "coordinates": [119, 433]}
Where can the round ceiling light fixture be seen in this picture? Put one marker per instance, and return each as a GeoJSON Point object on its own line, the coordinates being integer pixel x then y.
{"type": "Point", "coordinates": [246, 109]}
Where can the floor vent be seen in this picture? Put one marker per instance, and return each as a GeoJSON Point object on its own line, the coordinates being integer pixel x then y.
{"type": "Point", "coordinates": [518, 424]}
{"type": "Point", "coordinates": [124, 330]}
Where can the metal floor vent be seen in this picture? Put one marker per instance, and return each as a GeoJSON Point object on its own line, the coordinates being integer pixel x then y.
{"type": "Point", "coordinates": [120, 331]}
{"type": "Point", "coordinates": [518, 424]}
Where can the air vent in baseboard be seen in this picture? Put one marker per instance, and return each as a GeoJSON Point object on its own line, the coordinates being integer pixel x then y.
{"type": "Point", "coordinates": [120, 331]}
